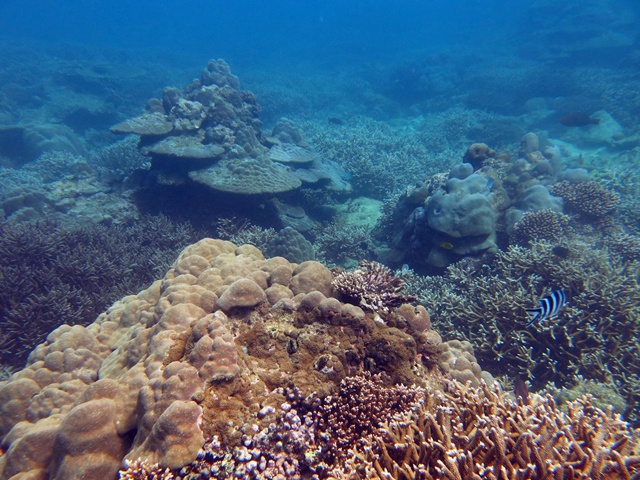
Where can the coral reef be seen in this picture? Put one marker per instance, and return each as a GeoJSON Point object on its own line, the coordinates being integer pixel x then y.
{"type": "Point", "coordinates": [451, 219]}
{"type": "Point", "coordinates": [485, 303]}
{"type": "Point", "coordinates": [118, 161]}
{"type": "Point", "coordinates": [209, 350]}
{"type": "Point", "coordinates": [588, 198]}
{"type": "Point", "coordinates": [464, 213]}
{"type": "Point", "coordinates": [210, 134]}
{"type": "Point", "coordinates": [476, 433]}
{"type": "Point", "coordinates": [540, 225]}
{"type": "Point", "coordinates": [380, 159]}
{"type": "Point", "coordinates": [338, 243]}
{"type": "Point", "coordinates": [372, 287]}
{"type": "Point", "coordinates": [370, 430]}
{"type": "Point", "coordinates": [51, 273]}
{"type": "Point", "coordinates": [290, 244]}
{"type": "Point", "coordinates": [59, 184]}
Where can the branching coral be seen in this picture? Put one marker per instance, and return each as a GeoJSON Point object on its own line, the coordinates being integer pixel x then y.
{"type": "Point", "coordinates": [540, 225]}
{"type": "Point", "coordinates": [52, 273]}
{"type": "Point", "coordinates": [476, 433]}
{"type": "Point", "coordinates": [371, 430]}
{"type": "Point", "coordinates": [372, 287]}
{"type": "Point", "coordinates": [589, 198]}
{"type": "Point", "coordinates": [339, 243]}
{"type": "Point", "coordinates": [594, 335]}
{"type": "Point", "coordinates": [241, 232]}
{"type": "Point", "coordinates": [380, 159]}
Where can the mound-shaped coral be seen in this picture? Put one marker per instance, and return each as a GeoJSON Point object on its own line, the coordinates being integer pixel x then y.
{"type": "Point", "coordinates": [198, 354]}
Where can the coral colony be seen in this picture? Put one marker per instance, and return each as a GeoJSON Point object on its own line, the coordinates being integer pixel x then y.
{"type": "Point", "coordinates": [245, 357]}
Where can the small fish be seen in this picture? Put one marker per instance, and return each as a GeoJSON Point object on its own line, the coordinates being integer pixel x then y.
{"type": "Point", "coordinates": [490, 182]}
{"type": "Point", "coordinates": [521, 391]}
{"type": "Point", "coordinates": [446, 245]}
{"type": "Point", "coordinates": [578, 119]}
{"type": "Point", "coordinates": [549, 307]}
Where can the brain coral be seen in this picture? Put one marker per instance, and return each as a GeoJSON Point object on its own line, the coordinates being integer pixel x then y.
{"type": "Point", "coordinates": [197, 354]}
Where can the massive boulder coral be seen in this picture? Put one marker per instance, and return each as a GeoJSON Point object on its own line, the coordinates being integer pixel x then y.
{"type": "Point", "coordinates": [200, 353]}
{"type": "Point", "coordinates": [492, 199]}
{"type": "Point", "coordinates": [457, 218]}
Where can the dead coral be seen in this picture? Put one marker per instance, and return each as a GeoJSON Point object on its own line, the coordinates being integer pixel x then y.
{"type": "Point", "coordinates": [372, 287]}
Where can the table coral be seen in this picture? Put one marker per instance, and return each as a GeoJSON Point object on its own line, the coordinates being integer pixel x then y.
{"type": "Point", "coordinates": [210, 133]}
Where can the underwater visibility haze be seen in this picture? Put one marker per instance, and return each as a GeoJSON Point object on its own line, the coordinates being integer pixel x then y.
{"type": "Point", "coordinates": [319, 239]}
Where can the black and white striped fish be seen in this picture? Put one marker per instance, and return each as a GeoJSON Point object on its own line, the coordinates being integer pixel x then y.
{"type": "Point", "coordinates": [549, 307]}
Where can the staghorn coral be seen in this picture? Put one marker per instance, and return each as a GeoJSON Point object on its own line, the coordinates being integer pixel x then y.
{"type": "Point", "coordinates": [340, 243]}
{"type": "Point", "coordinates": [593, 336]}
{"type": "Point", "coordinates": [381, 160]}
{"type": "Point", "coordinates": [115, 162]}
{"type": "Point", "coordinates": [449, 431]}
{"type": "Point", "coordinates": [52, 273]}
{"type": "Point", "coordinates": [588, 198]}
{"type": "Point", "coordinates": [626, 246]}
{"type": "Point", "coordinates": [240, 231]}
{"type": "Point", "coordinates": [372, 287]}
{"type": "Point", "coordinates": [540, 225]}
{"type": "Point", "coordinates": [477, 433]}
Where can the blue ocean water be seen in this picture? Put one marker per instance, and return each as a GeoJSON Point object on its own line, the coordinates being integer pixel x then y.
{"type": "Point", "coordinates": [284, 32]}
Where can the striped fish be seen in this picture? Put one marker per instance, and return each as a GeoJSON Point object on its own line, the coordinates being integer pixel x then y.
{"type": "Point", "coordinates": [548, 308]}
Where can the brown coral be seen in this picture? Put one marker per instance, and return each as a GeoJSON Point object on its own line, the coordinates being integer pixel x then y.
{"type": "Point", "coordinates": [197, 354]}
{"type": "Point", "coordinates": [589, 198]}
{"type": "Point", "coordinates": [372, 287]}
{"type": "Point", "coordinates": [476, 433]}
{"type": "Point", "coordinates": [376, 431]}
{"type": "Point", "coordinates": [541, 225]}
